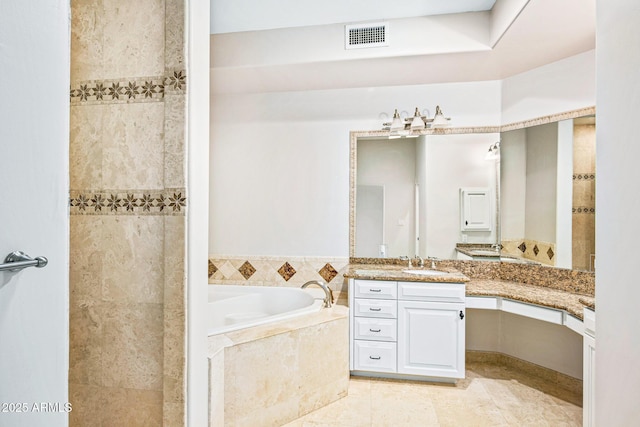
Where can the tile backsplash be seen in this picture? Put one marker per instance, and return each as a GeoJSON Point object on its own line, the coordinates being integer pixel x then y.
{"type": "Point", "coordinates": [276, 271]}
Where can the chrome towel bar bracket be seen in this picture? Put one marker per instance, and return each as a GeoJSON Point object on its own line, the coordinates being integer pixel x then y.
{"type": "Point", "coordinates": [18, 260]}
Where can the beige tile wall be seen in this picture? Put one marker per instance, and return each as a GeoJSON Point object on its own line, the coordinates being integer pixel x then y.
{"type": "Point", "coordinates": [584, 196]}
{"type": "Point", "coordinates": [128, 202]}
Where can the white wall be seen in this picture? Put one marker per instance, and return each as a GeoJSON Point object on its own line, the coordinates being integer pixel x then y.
{"type": "Point", "coordinates": [564, 194]}
{"type": "Point", "coordinates": [197, 404]}
{"type": "Point", "coordinates": [513, 163]}
{"type": "Point", "coordinates": [541, 189]}
{"type": "Point", "coordinates": [617, 291]}
{"type": "Point", "coordinates": [279, 162]}
{"type": "Point", "coordinates": [561, 86]}
{"type": "Point", "coordinates": [286, 154]}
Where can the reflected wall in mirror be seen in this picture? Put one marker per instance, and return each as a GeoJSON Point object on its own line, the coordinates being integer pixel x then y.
{"type": "Point", "coordinates": [405, 193]}
{"type": "Point", "coordinates": [548, 193]}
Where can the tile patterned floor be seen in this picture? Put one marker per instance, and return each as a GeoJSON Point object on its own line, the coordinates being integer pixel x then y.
{"type": "Point", "coordinates": [491, 395]}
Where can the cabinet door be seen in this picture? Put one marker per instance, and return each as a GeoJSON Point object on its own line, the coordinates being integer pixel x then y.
{"type": "Point", "coordinates": [475, 209]}
{"type": "Point", "coordinates": [431, 339]}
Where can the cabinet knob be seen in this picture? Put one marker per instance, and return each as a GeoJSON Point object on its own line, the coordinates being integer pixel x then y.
{"type": "Point", "coordinates": [461, 315]}
{"type": "Point", "coordinates": [374, 330]}
{"type": "Point", "coordinates": [374, 357]}
{"type": "Point", "coordinates": [374, 309]}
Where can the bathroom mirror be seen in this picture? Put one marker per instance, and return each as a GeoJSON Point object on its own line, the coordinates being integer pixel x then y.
{"type": "Point", "coordinates": [548, 193]}
{"type": "Point", "coordinates": [405, 192]}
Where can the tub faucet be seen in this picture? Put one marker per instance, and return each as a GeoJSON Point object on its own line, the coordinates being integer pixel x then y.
{"type": "Point", "coordinates": [328, 299]}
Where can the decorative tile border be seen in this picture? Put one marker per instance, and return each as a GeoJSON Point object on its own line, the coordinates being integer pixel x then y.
{"type": "Point", "coordinates": [584, 210]}
{"type": "Point", "coordinates": [276, 271]}
{"type": "Point", "coordinates": [128, 202]}
{"type": "Point", "coordinates": [541, 252]}
{"type": "Point", "coordinates": [128, 90]}
{"type": "Point", "coordinates": [585, 176]}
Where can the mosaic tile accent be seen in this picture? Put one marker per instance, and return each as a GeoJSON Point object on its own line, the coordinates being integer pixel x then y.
{"type": "Point", "coordinates": [286, 271]}
{"type": "Point", "coordinates": [523, 247]}
{"type": "Point", "coordinates": [128, 90]}
{"type": "Point", "coordinates": [212, 269]}
{"type": "Point", "coordinates": [328, 272]}
{"type": "Point", "coordinates": [176, 81]}
{"type": "Point", "coordinates": [142, 89]}
{"type": "Point", "coordinates": [536, 250]}
{"type": "Point", "coordinates": [550, 253]}
{"type": "Point", "coordinates": [589, 176]}
{"type": "Point", "coordinates": [583, 210]}
{"type": "Point", "coordinates": [132, 202]}
{"type": "Point", "coordinates": [247, 270]}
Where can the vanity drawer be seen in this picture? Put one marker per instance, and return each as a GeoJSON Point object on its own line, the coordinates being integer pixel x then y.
{"type": "Point", "coordinates": [432, 291]}
{"type": "Point", "coordinates": [376, 308]}
{"type": "Point", "coordinates": [376, 289]}
{"type": "Point", "coordinates": [375, 329]}
{"type": "Point", "coordinates": [374, 356]}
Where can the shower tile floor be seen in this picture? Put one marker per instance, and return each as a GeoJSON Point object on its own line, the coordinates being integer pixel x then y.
{"type": "Point", "coordinates": [490, 395]}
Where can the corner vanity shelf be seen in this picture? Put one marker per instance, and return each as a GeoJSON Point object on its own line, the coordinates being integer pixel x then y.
{"type": "Point", "coordinates": [408, 329]}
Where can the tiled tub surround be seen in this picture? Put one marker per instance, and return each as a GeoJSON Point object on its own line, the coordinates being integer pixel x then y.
{"type": "Point", "coordinates": [275, 373]}
{"type": "Point", "coordinates": [127, 205]}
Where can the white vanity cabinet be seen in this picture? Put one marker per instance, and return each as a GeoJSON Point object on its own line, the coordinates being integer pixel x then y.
{"type": "Point", "coordinates": [407, 329]}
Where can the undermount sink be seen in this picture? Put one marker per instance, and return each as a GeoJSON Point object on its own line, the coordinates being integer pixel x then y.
{"type": "Point", "coordinates": [426, 272]}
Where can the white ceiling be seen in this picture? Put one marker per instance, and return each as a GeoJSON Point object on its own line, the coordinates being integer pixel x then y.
{"type": "Point", "coordinates": [252, 15]}
{"type": "Point", "coordinates": [535, 33]}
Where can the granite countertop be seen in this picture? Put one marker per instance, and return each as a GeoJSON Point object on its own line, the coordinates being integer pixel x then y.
{"type": "Point", "coordinates": [572, 303]}
{"type": "Point", "coordinates": [396, 272]}
{"type": "Point", "coordinates": [564, 299]}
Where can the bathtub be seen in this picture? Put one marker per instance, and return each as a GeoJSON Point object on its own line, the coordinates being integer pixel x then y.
{"type": "Point", "coordinates": [233, 307]}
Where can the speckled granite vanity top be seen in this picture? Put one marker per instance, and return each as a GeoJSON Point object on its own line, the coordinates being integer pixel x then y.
{"type": "Point", "coordinates": [398, 272]}
{"type": "Point", "coordinates": [551, 287]}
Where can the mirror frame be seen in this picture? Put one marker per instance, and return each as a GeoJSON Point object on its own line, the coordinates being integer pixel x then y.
{"type": "Point", "coordinates": [379, 134]}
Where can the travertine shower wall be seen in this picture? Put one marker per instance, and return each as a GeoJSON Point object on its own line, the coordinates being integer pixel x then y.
{"type": "Point", "coordinates": [128, 202]}
{"type": "Point", "coordinates": [584, 195]}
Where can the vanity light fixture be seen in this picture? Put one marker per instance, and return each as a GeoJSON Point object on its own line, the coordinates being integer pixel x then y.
{"type": "Point", "coordinates": [439, 120]}
{"type": "Point", "coordinates": [401, 127]}
{"type": "Point", "coordinates": [397, 123]}
{"type": "Point", "coordinates": [417, 123]}
{"type": "Point", "coordinates": [494, 151]}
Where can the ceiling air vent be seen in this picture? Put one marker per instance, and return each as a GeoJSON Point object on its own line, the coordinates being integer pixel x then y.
{"type": "Point", "coordinates": [372, 34]}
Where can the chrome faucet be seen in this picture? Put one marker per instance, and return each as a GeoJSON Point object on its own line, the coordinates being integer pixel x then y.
{"type": "Point", "coordinates": [420, 260]}
{"type": "Point", "coordinates": [328, 299]}
{"type": "Point", "coordinates": [406, 258]}
{"type": "Point", "coordinates": [497, 247]}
